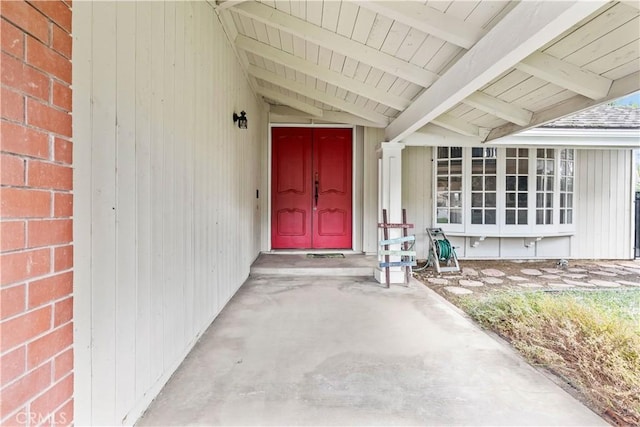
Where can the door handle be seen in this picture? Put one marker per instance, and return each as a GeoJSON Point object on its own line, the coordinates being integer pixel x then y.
{"type": "Point", "coordinates": [317, 184]}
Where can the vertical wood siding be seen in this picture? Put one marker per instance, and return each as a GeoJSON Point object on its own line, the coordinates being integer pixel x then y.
{"type": "Point", "coordinates": [167, 220]}
{"type": "Point", "coordinates": [417, 193]}
{"type": "Point", "coordinates": [604, 203]}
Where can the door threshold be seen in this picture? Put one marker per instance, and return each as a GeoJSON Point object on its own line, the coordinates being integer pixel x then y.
{"type": "Point", "coordinates": [313, 251]}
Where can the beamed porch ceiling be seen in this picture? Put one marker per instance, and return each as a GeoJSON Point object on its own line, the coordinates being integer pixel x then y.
{"type": "Point", "coordinates": [484, 69]}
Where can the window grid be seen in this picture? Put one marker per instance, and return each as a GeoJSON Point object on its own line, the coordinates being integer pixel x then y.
{"type": "Point", "coordinates": [517, 186]}
{"type": "Point", "coordinates": [449, 185]}
{"type": "Point", "coordinates": [566, 185]}
{"type": "Point", "coordinates": [545, 172]}
{"type": "Point", "coordinates": [483, 185]}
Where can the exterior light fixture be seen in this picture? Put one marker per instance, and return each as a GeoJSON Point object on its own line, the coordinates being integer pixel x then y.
{"type": "Point", "coordinates": [241, 119]}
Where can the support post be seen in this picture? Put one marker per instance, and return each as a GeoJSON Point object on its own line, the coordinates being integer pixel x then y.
{"type": "Point", "coordinates": [390, 198]}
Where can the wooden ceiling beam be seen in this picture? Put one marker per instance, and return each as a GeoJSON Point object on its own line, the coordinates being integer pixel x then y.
{"type": "Point", "coordinates": [337, 43]}
{"type": "Point", "coordinates": [289, 101]}
{"type": "Point", "coordinates": [428, 20]}
{"type": "Point", "coordinates": [499, 108]}
{"type": "Point", "coordinates": [566, 75]}
{"type": "Point", "coordinates": [621, 87]}
{"type": "Point", "coordinates": [324, 74]}
{"type": "Point", "coordinates": [460, 126]}
{"type": "Point", "coordinates": [318, 95]}
{"type": "Point", "coordinates": [529, 26]}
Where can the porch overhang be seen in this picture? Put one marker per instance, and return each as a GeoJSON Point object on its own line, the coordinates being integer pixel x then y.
{"type": "Point", "coordinates": [481, 69]}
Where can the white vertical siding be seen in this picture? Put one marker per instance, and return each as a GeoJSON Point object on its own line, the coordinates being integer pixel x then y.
{"type": "Point", "coordinates": [372, 137]}
{"type": "Point", "coordinates": [166, 215]}
{"type": "Point", "coordinates": [417, 176]}
{"type": "Point", "coordinates": [604, 202]}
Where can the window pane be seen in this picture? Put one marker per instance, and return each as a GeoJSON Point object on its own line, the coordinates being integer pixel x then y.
{"type": "Point", "coordinates": [456, 200]}
{"type": "Point", "coordinates": [540, 200]}
{"type": "Point", "coordinates": [442, 183]}
{"type": "Point", "coordinates": [539, 216]}
{"type": "Point", "coordinates": [562, 211]}
{"type": "Point", "coordinates": [456, 152]}
{"type": "Point", "coordinates": [476, 200]}
{"type": "Point", "coordinates": [511, 183]}
{"type": "Point", "coordinates": [550, 166]}
{"type": "Point", "coordinates": [443, 200]}
{"type": "Point", "coordinates": [476, 183]}
{"type": "Point", "coordinates": [490, 216]}
{"type": "Point", "coordinates": [570, 216]}
{"type": "Point", "coordinates": [540, 167]}
{"type": "Point", "coordinates": [456, 183]}
{"type": "Point", "coordinates": [548, 217]}
{"type": "Point", "coordinates": [490, 166]}
{"type": "Point", "coordinates": [523, 166]}
{"type": "Point", "coordinates": [540, 152]}
{"type": "Point", "coordinates": [551, 153]}
{"type": "Point", "coordinates": [443, 216]}
{"type": "Point", "coordinates": [562, 201]}
{"type": "Point", "coordinates": [443, 167]}
{"type": "Point", "coordinates": [522, 217]}
{"type": "Point", "coordinates": [490, 183]}
{"type": "Point", "coordinates": [456, 216]}
{"type": "Point", "coordinates": [456, 167]}
{"type": "Point", "coordinates": [523, 200]}
{"type": "Point", "coordinates": [511, 216]}
{"type": "Point", "coordinates": [511, 166]}
{"type": "Point", "coordinates": [549, 200]}
{"type": "Point", "coordinates": [477, 152]}
{"type": "Point", "coordinates": [476, 166]}
{"type": "Point", "coordinates": [511, 152]}
{"type": "Point", "coordinates": [523, 152]}
{"type": "Point", "coordinates": [549, 184]}
{"type": "Point", "coordinates": [570, 185]}
{"type": "Point", "coordinates": [443, 152]}
{"type": "Point", "coordinates": [511, 200]}
{"type": "Point", "coordinates": [476, 216]}
{"type": "Point", "coordinates": [490, 200]}
{"type": "Point", "coordinates": [523, 183]}
{"type": "Point", "coordinates": [569, 200]}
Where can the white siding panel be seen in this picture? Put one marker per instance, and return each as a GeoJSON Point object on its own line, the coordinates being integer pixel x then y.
{"type": "Point", "coordinates": [372, 137]}
{"type": "Point", "coordinates": [416, 193]}
{"type": "Point", "coordinates": [167, 220]}
{"type": "Point", "coordinates": [603, 205]}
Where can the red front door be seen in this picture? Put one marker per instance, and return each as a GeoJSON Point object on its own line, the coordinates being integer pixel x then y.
{"type": "Point", "coordinates": [311, 188]}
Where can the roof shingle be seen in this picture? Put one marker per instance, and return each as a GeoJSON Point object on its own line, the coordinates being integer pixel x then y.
{"type": "Point", "coordinates": [601, 117]}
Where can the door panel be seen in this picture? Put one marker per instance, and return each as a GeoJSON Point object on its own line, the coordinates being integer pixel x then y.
{"type": "Point", "coordinates": [311, 188]}
{"type": "Point", "coordinates": [291, 188]}
{"type": "Point", "coordinates": [332, 172]}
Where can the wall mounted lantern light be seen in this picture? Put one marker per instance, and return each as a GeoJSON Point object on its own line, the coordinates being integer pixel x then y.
{"type": "Point", "coordinates": [241, 119]}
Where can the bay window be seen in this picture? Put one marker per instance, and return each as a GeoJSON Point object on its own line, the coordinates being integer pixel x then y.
{"type": "Point", "coordinates": [504, 191]}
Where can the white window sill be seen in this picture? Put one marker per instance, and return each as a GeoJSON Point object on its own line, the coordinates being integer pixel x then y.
{"type": "Point", "coordinates": [529, 237]}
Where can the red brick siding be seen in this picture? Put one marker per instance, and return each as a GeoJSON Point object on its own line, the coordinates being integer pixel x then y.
{"type": "Point", "coordinates": [36, 208]}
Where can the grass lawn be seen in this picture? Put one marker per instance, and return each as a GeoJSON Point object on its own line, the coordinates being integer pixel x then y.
{"type": "Point", "coordinates": [591, 338]}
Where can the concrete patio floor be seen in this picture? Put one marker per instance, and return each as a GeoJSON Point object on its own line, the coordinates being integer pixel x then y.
{"type": "Point", "coordinates": [345, 351]}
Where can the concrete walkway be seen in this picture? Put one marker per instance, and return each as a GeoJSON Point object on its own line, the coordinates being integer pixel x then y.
{"type": "Point", "coordinates": [344, 351]}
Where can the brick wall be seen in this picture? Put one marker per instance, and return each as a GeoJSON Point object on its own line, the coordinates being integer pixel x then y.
{"type": "Point", "coordinates": [36, 200]}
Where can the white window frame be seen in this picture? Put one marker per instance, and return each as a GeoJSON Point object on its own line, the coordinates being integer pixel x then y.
{"type": "Point", "coordinates": [501, 229]}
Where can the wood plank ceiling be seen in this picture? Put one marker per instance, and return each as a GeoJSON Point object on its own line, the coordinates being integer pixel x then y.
{"type": "Point", "coordinates": [484, 68]}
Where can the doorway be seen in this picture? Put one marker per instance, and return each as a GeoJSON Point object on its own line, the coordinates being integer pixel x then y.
{"type": "Point", "coordinates": [311, 188]}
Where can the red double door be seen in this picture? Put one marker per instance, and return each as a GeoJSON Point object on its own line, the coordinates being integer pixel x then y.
{"type": "Point", "coordinates": [311, 188]}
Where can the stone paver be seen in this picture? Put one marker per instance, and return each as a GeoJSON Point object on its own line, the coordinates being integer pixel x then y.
{"type": "Point", "coordinates": [605, 265]}
{"type": "Point", "coordinates": [551, 270]}
{"type": "Point", "coordinates": [492, 280]}
{"type": "Point", "coordinates": [576, 283]}
{"type": "Point", "coordinates": [550, 276]}
{"type": "Point", "coordinates": [603, 273]}
{"type": "Point", "coordinates": [493, 272]}
{"type": "Point", "coordinates": [470, 283]}
{"type": "Point", "coordinates": [529, 285]}
{"type": "Point", "coordinates": [438, 281]}
{"type": "Point", "coordinates": [469, 272]}
{"type": "Point", "coordinates": [560, 285]}
{"type": "Point", "coordinates": [575, 276]}
{"type": "Point", "coordinates": [628, 283]}
{"type": "Point", "coordinates": [531, 272]}
{"type": "Point", "coordinates": [604, 283]}
{"type": "Point", "coordinates": [457, 290]}
{"type": "Point", "coordinates": [517, 278]}
{"type": "Point", "coordinates": [576, 270]}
